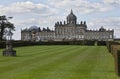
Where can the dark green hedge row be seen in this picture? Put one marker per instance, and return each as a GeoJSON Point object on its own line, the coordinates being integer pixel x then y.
{"type": "Point", "coordinates": [115, 51]}
{"type": "Point", "coordinates": [108, 44]}
{"type": "Point", "coordinates": [89, 42]}
{"type": "Point", "coordinates": [29, 43]}
{"type": "Point", "coordinates": [101, 43]}
{"type": "Point", "coordinates": [24, 43]}
{"type": "Point", "coordinates": [2, 44]}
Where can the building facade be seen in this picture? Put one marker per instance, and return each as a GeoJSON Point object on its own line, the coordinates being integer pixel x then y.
{"type": "Point", "coordinates": [67, 30]}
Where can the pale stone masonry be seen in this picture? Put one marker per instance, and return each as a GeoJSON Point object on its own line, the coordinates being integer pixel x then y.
{"type": "Point", "coordinates": [68, 30]}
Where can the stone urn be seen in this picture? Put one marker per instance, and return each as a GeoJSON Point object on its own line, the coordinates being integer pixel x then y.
{"type": "Point", "coordinates": [9, 49]}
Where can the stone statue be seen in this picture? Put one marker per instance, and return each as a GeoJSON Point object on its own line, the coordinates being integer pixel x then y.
{"type": "Point", "coordinates": [8, 34]}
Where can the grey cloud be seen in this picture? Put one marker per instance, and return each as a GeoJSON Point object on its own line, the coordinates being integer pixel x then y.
{"type": "Point", "coordinates": [26, 7]}
{"type": "Point", "coordinates": [84, 6]}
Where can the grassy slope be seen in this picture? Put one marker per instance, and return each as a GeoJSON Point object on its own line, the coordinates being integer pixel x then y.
{"type": "Point", "coordinates": [58, 62]}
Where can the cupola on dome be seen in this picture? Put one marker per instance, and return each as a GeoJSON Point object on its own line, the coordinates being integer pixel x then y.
{"type": "Point", "coordinates": [71, 18]}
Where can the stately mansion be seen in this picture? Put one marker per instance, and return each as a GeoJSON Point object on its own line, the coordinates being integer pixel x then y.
{"type": "Point", "coordinates": [67, 30]}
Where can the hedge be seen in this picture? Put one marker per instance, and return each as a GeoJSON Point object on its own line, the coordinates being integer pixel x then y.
{"type": "Point", "coordinates": [29, 43]}
{"type": "Point", "coordinates": [101, 43]}
{"type": "Point", "coordinates": [108, 44]}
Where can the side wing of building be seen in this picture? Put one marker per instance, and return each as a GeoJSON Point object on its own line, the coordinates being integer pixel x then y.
{"type": "Point", "coordinates": [99, 35]}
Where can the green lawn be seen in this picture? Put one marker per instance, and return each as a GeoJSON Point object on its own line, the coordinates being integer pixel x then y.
{"type": "Point", "coordinates": [58, 62]}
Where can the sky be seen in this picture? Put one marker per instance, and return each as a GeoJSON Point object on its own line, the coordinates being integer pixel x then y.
{"type": "Point", "coordinates": [44, 13]}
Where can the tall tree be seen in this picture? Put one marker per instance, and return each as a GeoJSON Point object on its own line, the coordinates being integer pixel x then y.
{"type": "Point", "coordinates": [4, 23]}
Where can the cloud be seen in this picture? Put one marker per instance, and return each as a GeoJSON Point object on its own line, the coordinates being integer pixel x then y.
{"type": "Point", "coordinates": [25, 22]}
{"type": "Point", "coordinates": [26, 8]}
{"type": "Point", "coordinates": [41, 22]}
{"type": "Point", "coordinates": [108, 23]}
{"type": "Point", "coordinates": [81, 6]}
{"type": "Point", "coordinates": [111, 1]}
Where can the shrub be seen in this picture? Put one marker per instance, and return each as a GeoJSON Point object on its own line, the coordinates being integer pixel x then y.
{"type": "Point", "coordinates": [101, 43]}
{"type": "Point", "coordinates": [114, 49]}
{"type": "Point", "coordinates": [111, 43]}
{"type": "Point", "coordinates": [117, 62]}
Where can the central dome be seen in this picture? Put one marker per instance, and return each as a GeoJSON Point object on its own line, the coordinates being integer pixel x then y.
{"type": "Point", "coordinates": [33, 27]}
{"type": "Point", "coordinates": [71, 18]}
